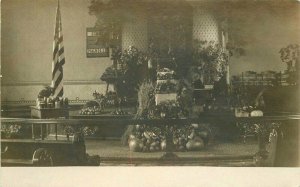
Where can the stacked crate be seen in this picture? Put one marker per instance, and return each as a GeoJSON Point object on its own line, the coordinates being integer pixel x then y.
{"type": "Point", "coordinates": [266, 78]}
{"type": "Point", "coordinates": [166, 86]}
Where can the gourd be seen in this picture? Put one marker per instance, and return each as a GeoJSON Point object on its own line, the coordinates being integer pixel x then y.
{"type": "Point", "coordinates": [256, 113]}
{"type": "Point", "coordinates": [163, 145]}
{"type": "Point", "coordinates": [135, 144]}
{"type": "Point", "coordinates": [195, 144]}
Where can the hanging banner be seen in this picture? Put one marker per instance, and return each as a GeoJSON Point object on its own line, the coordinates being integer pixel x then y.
{"type": "Point", "coordinates": [96, 43]}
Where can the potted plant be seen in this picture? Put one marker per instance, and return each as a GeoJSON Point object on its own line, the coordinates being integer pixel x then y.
{"type": "Point", "coordinates": [210, 60]}
{"type": "Point", "coordinates": [291, 56]}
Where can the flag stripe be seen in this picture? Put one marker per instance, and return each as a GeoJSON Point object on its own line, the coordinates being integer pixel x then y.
{"type": "Point", "coordinates": [57, 66]}
{"type": "Point", "coordinates": [62, 61]}
{"type": "Point", "coordinates": [56, 75]}
{"type": "Point", "coordinates": [61, 51]}
{"type": "Point", "coordinates": [59, 91]}
{"type": "Point", "coordinates": [58, 80]}
{"type": "Point", "coordinates": [55, 52]}
{"type": "Point", "coordinates": [57, 44]}
{"type": "Point", "coordinates": [58, 58]}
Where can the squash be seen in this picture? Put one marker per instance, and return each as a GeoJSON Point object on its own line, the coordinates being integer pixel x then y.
{"type": "Point", "coordinates": [195, 144]}
{"type": "Point", "coordinates": [135, 144]}
{"type": "Point", "coordinates": [163, 145]}
{"type": "Point", "coordinates": [256, 113]}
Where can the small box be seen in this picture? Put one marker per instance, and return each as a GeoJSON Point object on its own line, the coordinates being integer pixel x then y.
{"type": "Point", "coordinates": [43, 113]}
{"type": "Point", "coordinates": [165, 97]}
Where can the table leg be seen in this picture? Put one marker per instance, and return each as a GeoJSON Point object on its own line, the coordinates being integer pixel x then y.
{"type": "Point", "coordinates": [42, 137]}
{"type": "Point", "coordinates": [55, 131]}
{"type": "Point", "coordinates": [267, 142]}
{"type": "Point", "coordinates": [169, 154]}
{"type": "Point", "coordinates": [32, 131]}
{"type": "Point", "coordinates": [47, 130]}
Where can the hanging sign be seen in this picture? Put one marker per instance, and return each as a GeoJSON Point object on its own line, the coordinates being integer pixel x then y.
{"type": "Point", "coordinates": [96, 43]}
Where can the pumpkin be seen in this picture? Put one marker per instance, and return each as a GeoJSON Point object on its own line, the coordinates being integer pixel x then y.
{"type": "Point", "coordinates": [204, 134]}
{"type": "Point", "coordinates": [195, 144]}
{"type": "Point", "coordinates": [152, 148]}
{"type": "Point", "coordinates": [181, 148]}
{"type": "Point", "coordinates": [163, 145]}
{"type": "Point", "coordinates": [192, 135]}
{"type": "Point", "coordinates": [256, 113]}
{"type": "Point", "coordinates": [137, 127]}
{"type": "Point", "coordinates": [195, 125]}
{"type": "Point", "coordinates": [135, 144]}
{"type": "Point", "coordinates": [131, 136]}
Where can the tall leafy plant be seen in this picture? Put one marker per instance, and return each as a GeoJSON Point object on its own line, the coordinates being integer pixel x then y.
{"type": "Point", "coordinates": [211, 60]}
{"type": "Point", "coordinates": [291, 56]}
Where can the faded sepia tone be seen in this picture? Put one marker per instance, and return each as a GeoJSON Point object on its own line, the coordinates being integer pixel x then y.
{"type": "Point", "coordinates": [186, 83]}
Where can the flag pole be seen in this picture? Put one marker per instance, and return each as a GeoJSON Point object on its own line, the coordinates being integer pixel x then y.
{"type": "Point", "coordinates": [58, 57]}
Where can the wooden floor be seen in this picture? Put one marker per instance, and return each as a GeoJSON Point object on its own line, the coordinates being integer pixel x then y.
{"type": "Point", "coordinates": [112, 152]}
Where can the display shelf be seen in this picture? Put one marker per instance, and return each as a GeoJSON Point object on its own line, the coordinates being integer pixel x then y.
{"type": "Point", "coordinates": [222, 154]}
{"type": "Point", "coordinates": [102, 116]}
{"type": "Point", "coordinates": [43, 113]}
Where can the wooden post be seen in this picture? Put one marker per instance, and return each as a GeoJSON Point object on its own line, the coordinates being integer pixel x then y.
{"type": "Point", "coordinates": [47, 130]}
{"type": "Point", "coordinates": [32, 131]}
{"type": "Point", "coordinates": [55, 131]}
{"type": "Point", "coordinates": [42, 137]}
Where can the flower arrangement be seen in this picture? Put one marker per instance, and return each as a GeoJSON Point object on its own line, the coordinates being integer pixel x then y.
{"type": "Point", "coordinates": [11, 131]}
{"type": "Point", "coordinates": [133, 57]}
{"type": "Point", "coordinates": [45, 92]}
{"type": "Point", "coordinates": [101, 102]}
{"type": "Point", "coordinates": [127, 64]}
{"type": "Point", "coordinates": [85, 130]}
{"type": "Point", "coordinates": [129, 59]}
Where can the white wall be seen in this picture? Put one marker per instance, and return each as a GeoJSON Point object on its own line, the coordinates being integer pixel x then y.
{"type": "Point", "coordinates": [267, 29]}
{"type": "Point", "coordinates": [27, 38]}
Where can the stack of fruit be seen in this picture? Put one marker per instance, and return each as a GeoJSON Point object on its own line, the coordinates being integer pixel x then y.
{"type": "Point", "coordinates": [191, 137]}
{"type": "Point", "coordinates": [187, 138]}
{"type": "Point", "coordinates": [248, 111]}
{"type": "Point", "coordinates": [145, 139]}
{"type": "Point", "coordinates": [100, 103]}
{"type": "Point", "coordinates": [119, 112]}
{"type": "Point", "coordinates": [89, 131]}
{"type": "Point", "coordinates": [85, 130]}
{"type": "Point", "coordinates": [167, 109]}
{"type": "Point", "coordinates": [50, 102]}
{"type": "Point", "coordinates": [96, 110]}
{"type": "Point", "coordinates": [110, 100]}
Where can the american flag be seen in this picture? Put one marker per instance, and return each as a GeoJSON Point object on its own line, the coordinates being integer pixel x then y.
{"type": "Point", "coordinates": [58, 58]}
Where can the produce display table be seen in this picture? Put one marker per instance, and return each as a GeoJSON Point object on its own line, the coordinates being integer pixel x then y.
{"type": "Point", "coordinates": [261, 153]}
{"type": "Point", "coordinates": [43, 113]}
{"type": "Point", "coordinates": [103, 116]}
